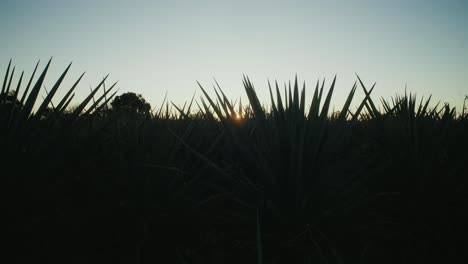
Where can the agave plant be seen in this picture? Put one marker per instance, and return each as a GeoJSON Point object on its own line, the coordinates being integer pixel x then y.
{"type": "Point", "coordinates": [288, 155]}
{"type": "Point", "coordinates": [285, 181]}
{"type": "Point", "coordinates": [22, 118]}
{"type": "Point", "coordinates": [420, 179]}
{"type": "Point", "coordinates": [34, 138]}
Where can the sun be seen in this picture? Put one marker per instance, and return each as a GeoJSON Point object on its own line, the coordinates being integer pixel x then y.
{"type": "Point", "coordinates": [238, 118]}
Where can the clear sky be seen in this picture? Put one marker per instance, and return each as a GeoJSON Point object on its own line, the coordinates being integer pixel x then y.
{"type": "Point", "coordinates": [152, 47]}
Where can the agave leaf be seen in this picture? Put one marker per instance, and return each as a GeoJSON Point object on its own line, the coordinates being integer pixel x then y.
{"type": "Point", "coordinates": [316, 130]}
{"type": "Point", "coordinates": [54, 89]}
{"type": "Point", "coordinates": [420, 106]}
{"type": "Point", "coordinates": [213, 105]}
{"type": "Point", "coordinates": [386, 106]}
{"type": "Point", "coordinates": [28, 106]}
{"type": "Point", "coordinates": [248, 150]}
{"type": "Point", "coordinates": [107, 100]}
{"type": "Point", "coordinates": [279, 100]}
{"type": "Point", "coordinates": [181, 111]}
{"type": "Point", "coordinates": [13, 109]}
{"type": "Point", "coordinates": [60, 107]}
{"type": "Point", "coordinates": [313, 110]}
{"type": "Point", "coordinates": [167, 114]}
{"type": "Point", "coordinates": [96, 103]}
{"type": "Point", "coordinates": [104, 89]}
{"type": "Point", "coordinates": [23, 98]}
{"type": "Point", "coordinates": [83, 104]}
{"type": "Point", "coordinates": [184, 136]}
{"type": "Point", "coordinates": [334, 251]}
{"type": "Point", "coordinates": [221, 103]}
{"type": "Point", "coordinates": [424, 110]}
{"type": "Point", "coordinates": [260, 122]}
{"type": "Point", "coordinates": [321, 90]}
{"type": "Point", "coordinates": [162, 104]}
{"type": "Point", "coordinates": [20, 120]}
{"type": "Point", "coordinates": [368, 104]}
{"type": "Point", "coordinates": [207, 109]}
{"type": "Point", "coordinates": [226, 100]}
{"type": "Point", "coordinates": [190, 105]}
{"type": "Point", "coordinates": [296, 96]}
{"type": "Point", "coordinates": [259, 240]}
{"type": "Point", "coordinates": [302, 104]}
{"type": "Point", "coordinates": [18, 87]}
{"type": "Point", "coordinates": [91, 90]}
{"type": "Point", "coordinates": [273, 105]}
{"type": "Point", "coordinates": [326, 104]}
{"type": "Point", "coordinates": [286, 104]}
{"type": "Point", "coordinates": [290, 96]}
{"type": "Point", "coordinates": [5, 79]}
{"type": "Point", "coordinates": [9, 82]}
{"type": "Point", "coordinates": [200, 109]}
{"type": "Point", "coordinates": [434, 110]}
{"type": "Point", "coordinates": [183, 107]}
{"type": "Point", "coordinates": [374, 109]}
{"type": "Point", "coordinates": [255, 103]}
{"type": "Point", "coordinates": [240, 108]}
{"type": "Point", "coordinates": [316, 111]}
{"type": "Point", "coordinates": [298, 154]}
{"type": "Point", "coordinates": [369, 110]}
{"type": "Point", "coordinates": [345, 108]}
{"type": "Point", "coordinates": [317, 245]}
{"type": "Point", "coordinates": [464, 106]}
{"type": "Point", "coordinates": [65, 105]}
{"type": "Point", "coordinates": [361, 106]}
{"type": "Point", "coordinates": [47, 94]}
{"type": "Point", "coordinates": [202, 157]}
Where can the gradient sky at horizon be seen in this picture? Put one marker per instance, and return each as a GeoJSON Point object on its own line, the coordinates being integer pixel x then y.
{"type": "Point", "coordinates": [151, 47]}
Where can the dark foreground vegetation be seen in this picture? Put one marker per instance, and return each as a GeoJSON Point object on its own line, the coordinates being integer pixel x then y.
{"type": "Point", "coordinates": [112, 181]}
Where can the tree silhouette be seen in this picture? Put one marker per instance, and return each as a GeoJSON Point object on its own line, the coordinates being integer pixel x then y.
{"type": "Point", "coordinates": [11, 98]}
{"type": "Point", "coordinates": [9, 104]}
{"type": "Point", "coordinates": [131, 103]}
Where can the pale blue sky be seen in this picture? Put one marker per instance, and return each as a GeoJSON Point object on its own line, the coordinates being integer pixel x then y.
{"type": "Point", "coordinates": [152, 47]}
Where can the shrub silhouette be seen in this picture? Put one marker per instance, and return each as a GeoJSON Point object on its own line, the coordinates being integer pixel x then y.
{"type": "Point", "coordinates": [131, 103]}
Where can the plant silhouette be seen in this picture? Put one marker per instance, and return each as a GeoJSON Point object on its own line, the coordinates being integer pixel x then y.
{"type": "Point", "coordinates": [131, 103]}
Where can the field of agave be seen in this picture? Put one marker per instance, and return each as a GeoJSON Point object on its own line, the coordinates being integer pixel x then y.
{"type": "Point", "coordinates": [231, 183]}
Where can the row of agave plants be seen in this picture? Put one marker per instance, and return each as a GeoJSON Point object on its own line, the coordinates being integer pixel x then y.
{"type": "Point", "coordinates": [231, 183]}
